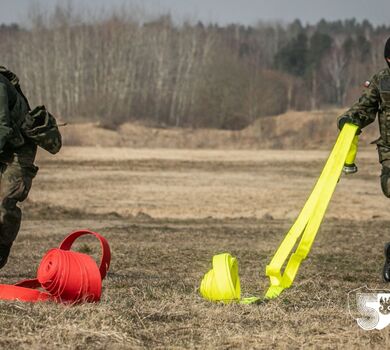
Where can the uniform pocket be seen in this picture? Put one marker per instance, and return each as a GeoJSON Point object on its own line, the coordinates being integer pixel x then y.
{"type": "Point", "coordinates": [41, 127]}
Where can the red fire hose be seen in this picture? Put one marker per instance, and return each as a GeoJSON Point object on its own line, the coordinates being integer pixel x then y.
{"type": "Point", "coordinates": [66, 276]}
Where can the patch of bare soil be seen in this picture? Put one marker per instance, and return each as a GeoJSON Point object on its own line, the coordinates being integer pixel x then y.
{"type": "Point", "coordinates": [292, 130]}
{"type": "Point", "coordinates": [184, 184]}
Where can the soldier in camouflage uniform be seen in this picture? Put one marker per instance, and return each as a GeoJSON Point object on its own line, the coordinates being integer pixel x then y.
{"type": "Point", "coordinates": [17, 154]}
{"type": "Point", "coordinates": [376, 100]}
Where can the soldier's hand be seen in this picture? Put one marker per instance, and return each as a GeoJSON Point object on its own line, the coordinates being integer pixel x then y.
{"type": "Point", "coordinates": [344, 119]}
{"type": "Point", "coordinates": [348, 119]}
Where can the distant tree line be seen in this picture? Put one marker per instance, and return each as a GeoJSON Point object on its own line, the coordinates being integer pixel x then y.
{"type": "Point", "coordinates": [117, 69]}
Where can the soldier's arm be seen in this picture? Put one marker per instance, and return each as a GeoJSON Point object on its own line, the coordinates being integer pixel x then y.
{"type": "Point", "coordinates": [364, 111]}
{"type": "Point", "coordinates": [5, 128]}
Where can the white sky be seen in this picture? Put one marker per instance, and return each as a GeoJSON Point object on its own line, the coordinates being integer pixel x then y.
{"type": "Point", "coordinates": [224, 11]}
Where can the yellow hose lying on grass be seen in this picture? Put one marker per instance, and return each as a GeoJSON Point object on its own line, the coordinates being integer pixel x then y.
{"type": "Point", "coordinates": [222, 282]}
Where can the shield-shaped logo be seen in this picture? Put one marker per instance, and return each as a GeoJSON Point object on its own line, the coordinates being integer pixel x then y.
{"type": "Point", "coordinates": [370, 307]}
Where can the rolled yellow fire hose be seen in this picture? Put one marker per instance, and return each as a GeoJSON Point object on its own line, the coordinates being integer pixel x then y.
{"type": "Point", "coordinates": [222, 282]}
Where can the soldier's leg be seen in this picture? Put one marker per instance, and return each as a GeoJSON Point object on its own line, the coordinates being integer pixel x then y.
{"type": "Point", "coordinates": [385, 178]}
{"type": "Point", "coordinates": [15, 185]}
{"type": "Point", "coordinates": [384, 159]}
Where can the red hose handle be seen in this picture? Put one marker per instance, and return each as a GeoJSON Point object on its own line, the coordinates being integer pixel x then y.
{"type": "Point", "coordinates": [66, 244]}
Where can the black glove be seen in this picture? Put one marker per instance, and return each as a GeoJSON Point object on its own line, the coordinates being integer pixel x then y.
{"type": "Point", "coordinates": [348, 119]}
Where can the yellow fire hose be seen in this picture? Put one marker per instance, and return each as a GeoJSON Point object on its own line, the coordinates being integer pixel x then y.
{"type": "Point", "coordinates": [222, 282]}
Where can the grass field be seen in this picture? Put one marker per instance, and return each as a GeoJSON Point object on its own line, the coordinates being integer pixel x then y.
{"type": "Point", "coordinates": [165, 214]}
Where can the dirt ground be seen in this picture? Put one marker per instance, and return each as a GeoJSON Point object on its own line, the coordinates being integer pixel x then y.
{"type": "Point", "coordinates": [197, 184]}
{"type": "Point", "coordinates": [292, 130]}
{"type": "Point", "coordinates": [165, 214]}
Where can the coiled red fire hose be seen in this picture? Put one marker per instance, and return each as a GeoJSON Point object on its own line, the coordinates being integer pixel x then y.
{"type": "Point", "coordinates": [66, 276]}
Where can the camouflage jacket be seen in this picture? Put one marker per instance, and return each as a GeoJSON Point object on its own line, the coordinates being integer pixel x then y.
{"type": "Point", "coordinates": [374, 100]}
{"type": "Point", "coordinates": [13, 109]}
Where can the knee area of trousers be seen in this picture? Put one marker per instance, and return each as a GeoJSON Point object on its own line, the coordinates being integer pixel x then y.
{"type": "Point", "coordinates": [18, 192]}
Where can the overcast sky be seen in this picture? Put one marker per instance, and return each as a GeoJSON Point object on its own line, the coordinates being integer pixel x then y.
{"type": "Point", "coordinates": [226, 11]}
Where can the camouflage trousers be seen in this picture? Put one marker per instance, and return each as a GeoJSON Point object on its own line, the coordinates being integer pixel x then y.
{"type": "Point", "coordinates": [17, 171]}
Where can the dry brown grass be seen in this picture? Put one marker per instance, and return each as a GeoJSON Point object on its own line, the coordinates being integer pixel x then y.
{"type": "Point", "coordinates": [150, 297]}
